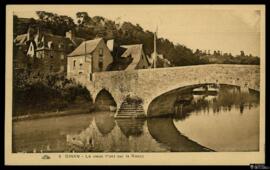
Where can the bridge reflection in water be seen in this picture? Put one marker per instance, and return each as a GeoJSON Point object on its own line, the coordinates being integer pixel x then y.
{"type": "Point", "coordinates": [201, 125]}
{"type": "Point", "coordinates": [132, 135]}
{"type": "Point", "coordinates": [159, 128]}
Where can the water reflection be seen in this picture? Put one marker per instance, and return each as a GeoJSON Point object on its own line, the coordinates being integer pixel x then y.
{"type": "Point", "coordinates": [226, 121]}
{"type": "Point", "coordinates": [105, 123]}
{"type": "Point", "coordinates": [164, 131]}
{"type": "Point", "coordinates": [128, 131]}
{"type": "Point", "coordinates": [221, 101]}
{"type": "Point", "coordinates": [126, 135]}
{"type": "Point", "coordinates": [131, 127]}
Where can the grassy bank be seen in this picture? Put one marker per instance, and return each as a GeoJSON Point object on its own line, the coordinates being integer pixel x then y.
{"type": "Point", "coordinates": [73, 111]}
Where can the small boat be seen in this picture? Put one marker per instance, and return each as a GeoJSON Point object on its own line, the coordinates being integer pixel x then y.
{"type": "Point", "coordinates": [112, 108]}
{"type": "Point", "coordinates": [213, 88]}
{"type": "Point", "coordinates": [199, 89]}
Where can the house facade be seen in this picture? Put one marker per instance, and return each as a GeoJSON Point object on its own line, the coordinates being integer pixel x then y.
{"type": "Point", "coordinates": [48, 52]}
{"type": "Point", "coordinates": [89, 57]}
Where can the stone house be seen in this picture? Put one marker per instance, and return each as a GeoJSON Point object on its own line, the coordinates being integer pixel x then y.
{"type": "Point", "coordinates": [130, 57]}
{"type": "Point", "coordinates": [89, 57]}
{"type": "Point", "coordinates": [47, 51]}
{"type": "Point", "coordinates": [137, 56]}
{"type": "Point", "coordinates": [20, 60]}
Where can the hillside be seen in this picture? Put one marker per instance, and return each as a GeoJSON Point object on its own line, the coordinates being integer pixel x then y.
{"type": "Point", "coordinates": [126, 33]}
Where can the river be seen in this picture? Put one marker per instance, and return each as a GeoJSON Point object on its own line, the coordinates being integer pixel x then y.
{"type": "Point", "coordinates": [222, 122]}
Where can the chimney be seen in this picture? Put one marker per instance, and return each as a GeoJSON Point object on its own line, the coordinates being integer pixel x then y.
{"type": "Point", "coordinates": [110, 44]}
{"type": "Point", "coordinates": [70, 34]}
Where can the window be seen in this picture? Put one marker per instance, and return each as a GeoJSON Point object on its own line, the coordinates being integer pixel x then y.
{"type": "Point", "coordinates": [51, 67]}
{"type": "Point", "coordinates": [100, 51]}
{"type": "Point", "coordinates": [51, 57]}
{"type": "Point", "coordinates": [81, 65]}
{"type": "Point", "coordinates": [50, 45]}
{"type": "Point", "coordinates": [62, 57]}
{"type": "Point", "coordinates": [90, 77]}
{"type": "Point", "coordinates": [100, 58]}
{"type": "Point", "coordinates": [61, 46]}
{"type": "Point", "coordinates": [100, 64]}
{"type": "Point", "coordinates": [62, 68]}
{"type": "Point", "coordinates": [101, 54]}
{"type": "Point", "coordinates": [74, 64]}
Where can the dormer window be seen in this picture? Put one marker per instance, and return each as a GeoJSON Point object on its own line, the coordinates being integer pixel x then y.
{"type": "Point", "coordinates": [40, 44]}
{"type": "Point", "coordinates": [50, 45]}
{"type": "Point", "coordinates": [61, 46]}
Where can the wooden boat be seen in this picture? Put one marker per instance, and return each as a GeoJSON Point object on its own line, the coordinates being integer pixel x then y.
{"type": "Point", "coordinates": [112, 108]}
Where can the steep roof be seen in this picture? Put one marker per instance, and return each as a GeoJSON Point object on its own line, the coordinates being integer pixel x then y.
{"type": "Point", "coordinates": [135, 51]}
{"type": "Point", "coordinates": [77, 41]}
{"type": "Point", "coordinates": [21, 39]}
{"type": "Point", "coordinates": [45, 38]}
{"type": "Point", "coordinates": [86, 47]}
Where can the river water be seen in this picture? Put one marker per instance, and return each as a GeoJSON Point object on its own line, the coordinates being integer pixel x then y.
{"type": "Point", "coordinates": [227, 121]}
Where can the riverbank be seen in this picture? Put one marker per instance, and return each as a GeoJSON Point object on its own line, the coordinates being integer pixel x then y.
{"type": "Point", "coordinates": [54, 114]}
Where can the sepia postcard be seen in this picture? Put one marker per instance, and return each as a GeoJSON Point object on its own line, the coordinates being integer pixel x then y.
{"type": "Point", "coordinates": [135, 85]}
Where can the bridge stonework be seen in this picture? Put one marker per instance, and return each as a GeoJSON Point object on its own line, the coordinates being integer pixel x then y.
{"type": "Point", "coordinates": [148, 84]}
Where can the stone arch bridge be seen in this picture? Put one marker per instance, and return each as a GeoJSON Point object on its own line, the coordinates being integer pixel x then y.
{"type": "Point", "coordinates": [148, 84]}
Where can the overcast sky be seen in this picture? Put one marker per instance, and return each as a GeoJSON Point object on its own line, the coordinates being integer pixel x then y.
{"type": "Point", "coordinates": [203, 27]}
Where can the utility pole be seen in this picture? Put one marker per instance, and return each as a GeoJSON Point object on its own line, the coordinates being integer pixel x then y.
{"type": "Point", "coordinates": [155, 49]}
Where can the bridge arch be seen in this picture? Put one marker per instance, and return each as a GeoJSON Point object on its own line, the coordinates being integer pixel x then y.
{"type": "Point", "coordinates": [104, 99]}
{"type": "Point", "coordinates": [168, 99]}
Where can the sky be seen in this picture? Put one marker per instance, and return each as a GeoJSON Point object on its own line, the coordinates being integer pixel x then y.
{"type": "Point", "coordinates": [229, 29]}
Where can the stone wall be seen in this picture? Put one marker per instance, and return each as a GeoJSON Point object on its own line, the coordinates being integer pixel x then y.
{"type": "Point", "coordinates": [148, 84]}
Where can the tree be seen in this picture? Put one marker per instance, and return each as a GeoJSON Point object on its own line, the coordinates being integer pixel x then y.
{"type": "Point", "coordinates": [84, 19]}
{"type": "Point", "coordinates": [58, 25]}
{"type": "Point", "coordinates": [242, 53]}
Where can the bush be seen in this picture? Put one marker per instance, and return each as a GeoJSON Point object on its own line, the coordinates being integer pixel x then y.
{"type": "Point", "coordinates": [133, 100]}
{"type": "Point", "coordinates": [35, 94]}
